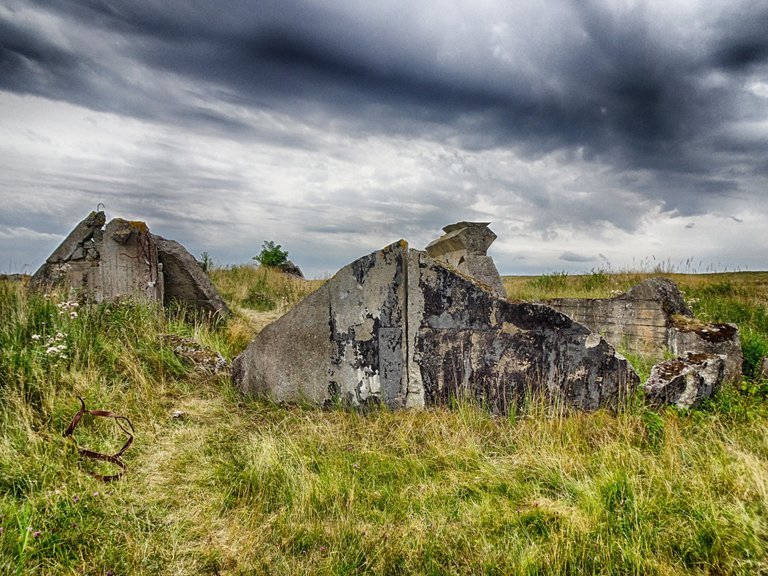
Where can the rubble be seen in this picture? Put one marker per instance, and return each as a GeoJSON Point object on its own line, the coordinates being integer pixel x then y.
{"type": "Point", "coordinates": [684, 382]}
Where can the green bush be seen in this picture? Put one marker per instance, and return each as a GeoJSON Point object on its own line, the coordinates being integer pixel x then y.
{"type": "Point", "coordinates": [271, 255]}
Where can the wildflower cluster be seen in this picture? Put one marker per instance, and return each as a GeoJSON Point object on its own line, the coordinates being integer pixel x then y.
{"type": "Point", "coordinates": [68, 308]}
{"type": "Point", "coordinates": [54, 345]}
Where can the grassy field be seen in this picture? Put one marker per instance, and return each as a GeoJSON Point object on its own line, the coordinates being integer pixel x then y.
{"type": "Point", "coordinates": [241, 486]}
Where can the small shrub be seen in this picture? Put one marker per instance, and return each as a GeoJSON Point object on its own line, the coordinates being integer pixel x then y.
{"type": "Point", "coordinates": [271, 255]}
{"type": "Point", "coordinates": [206, 262]}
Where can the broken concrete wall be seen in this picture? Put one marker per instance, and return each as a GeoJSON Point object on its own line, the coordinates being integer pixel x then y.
{"type": "Point", "coordinates": [345, 341]}
{"type": "Point", "coordinates": [719, 339]}
{"type": "Point", "coordinates": [185, 280]}
{"type": "Point", "coordinates": [126, 260]}
{"type": "Point", "coordinates": [399, 328]}
{"type": "Point", "coordinates": [653, 318]}
{"type": "Point", "coordinates": [464, 246]}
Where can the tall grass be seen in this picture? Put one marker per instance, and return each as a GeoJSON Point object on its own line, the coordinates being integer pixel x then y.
{"type": "Point", "coordinates": [231, 485]}
{"type": "Point", "coordinates": [261, 288]}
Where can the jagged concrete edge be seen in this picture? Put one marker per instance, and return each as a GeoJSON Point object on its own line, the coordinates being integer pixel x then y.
{"type": "Point", "coordinates": [84, 230]}
{"type": "Point", "coordinates": [212, 301]}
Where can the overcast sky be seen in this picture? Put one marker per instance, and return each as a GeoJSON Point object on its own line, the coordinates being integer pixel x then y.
{"type": "Point", "coordinates": [590, 133]}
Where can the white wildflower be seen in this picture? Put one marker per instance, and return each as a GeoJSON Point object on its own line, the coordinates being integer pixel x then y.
{"type": "Point", "coordinates": [73, 315]}
{"type": "Point", "coordinates": [36, 336]}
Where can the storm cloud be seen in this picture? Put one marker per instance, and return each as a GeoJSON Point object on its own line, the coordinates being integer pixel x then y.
{"type": "Point", "coordinates": [577, 128]}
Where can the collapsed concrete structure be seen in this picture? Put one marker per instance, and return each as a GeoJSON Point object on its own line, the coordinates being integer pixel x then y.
{"type": "Point", "coordinates": [124, 259]}
{"type": "Point", "coordinates": [397, 327]}
{"type": "Point", "coordinates": [684, 382]}
{"type": "Point", "coordinates": [464, 246]}
{"type": "Point", "coordinates": [653, 318]}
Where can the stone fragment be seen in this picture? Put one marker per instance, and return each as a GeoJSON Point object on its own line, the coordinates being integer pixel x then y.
{"type": "Point", "coordinates": [661, 290]}
{"type": "Point", "coordinates": [399, 328]}
{"type": "Point", "coordinates": [129, 264]}
{"type": "Point", "coordinates": [185, 281]}
{"type": "Point", "coordinates": [345, 341]}
{"type": "Point", "coordinates": [691, 336]}
{"type": "Point", "coordinates": [684, 382]}
{"type": "Point", "coordinates": [464, 246]}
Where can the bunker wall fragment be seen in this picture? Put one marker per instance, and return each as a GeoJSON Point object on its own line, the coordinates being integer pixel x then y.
{"type": "Point", "coordinates": [398, 328]}
{"type": "Point", "coordinates": [652, 319]}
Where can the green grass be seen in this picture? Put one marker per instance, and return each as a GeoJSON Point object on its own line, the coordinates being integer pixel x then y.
{"type": "Point", "coordinates": [241, 486]}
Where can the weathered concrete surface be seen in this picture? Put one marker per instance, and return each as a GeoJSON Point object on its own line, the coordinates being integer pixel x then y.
{"type": "Point", "coordinates": [685, 382]}
{"type": "Point", "coordinates": [75, 257]}
{"type": "Point", "coordinates": [397, 327]}
{"type": "Point", "coordinates": [639, 319]}
{"type": "Point", "coordinates": [345, 341]}
{"type": "Point", "coordinates": [691, 336]}
{"type": "Point", "coordinates": [126, 260]}
{"type": "Point", "coordinates": [129, 264]}
{"type": "Point", "coordinates": [185, 280]}
{"type": "Point", "coordinates": [661, 290]}
{"type": "Point", "coordinates": [653, 318]}
{"type": "Point", "coordinates": [464, 246]}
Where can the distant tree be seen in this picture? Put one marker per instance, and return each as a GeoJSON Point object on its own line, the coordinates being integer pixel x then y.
{"type": "Point", "coordinates": [271, 255]}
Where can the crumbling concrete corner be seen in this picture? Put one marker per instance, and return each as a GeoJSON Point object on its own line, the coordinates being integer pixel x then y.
{"type": "Point", "coordinates": [464, 246]}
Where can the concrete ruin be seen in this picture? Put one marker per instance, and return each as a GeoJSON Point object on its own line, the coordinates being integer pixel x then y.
{"type": "Point", "coordinates": [399, 328]}
{"type": "Point", "coordinates": [124, 259]}
{"type": "Point", "coordinates": [684, 382]}
{"type": "Point", "coordinates": [464, 246]}
{"type": "Point", "coordinates": [653, 318]}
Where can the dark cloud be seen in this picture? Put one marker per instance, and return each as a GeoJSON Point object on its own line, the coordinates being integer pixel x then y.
{"type": "Point", "coordinates": [621, 113]}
